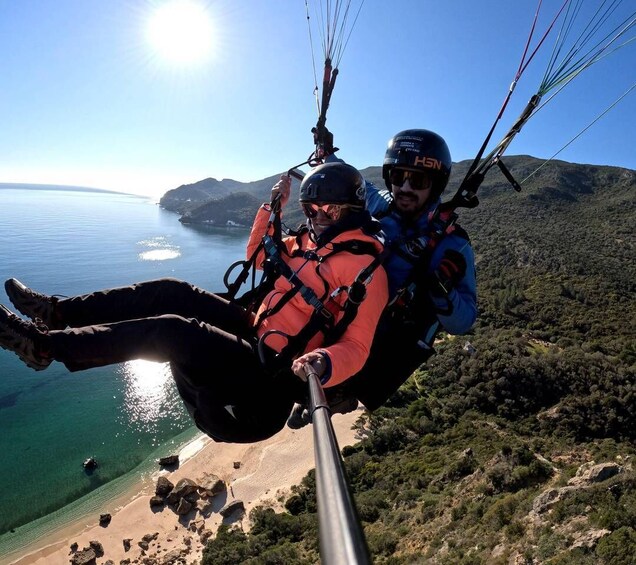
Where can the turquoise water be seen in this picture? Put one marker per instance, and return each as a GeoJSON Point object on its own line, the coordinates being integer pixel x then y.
{"type": "Point", "coordinates": [70, 242]}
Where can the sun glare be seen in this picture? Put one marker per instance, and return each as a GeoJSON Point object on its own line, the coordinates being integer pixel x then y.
{"type": "Point", "coordinates": [181, 32]}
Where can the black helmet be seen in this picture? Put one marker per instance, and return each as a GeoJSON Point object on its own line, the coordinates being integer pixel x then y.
{"type": "Point", "coordinates": [419, 149]}
{"type": "Point", "coordinates": [334, 183]}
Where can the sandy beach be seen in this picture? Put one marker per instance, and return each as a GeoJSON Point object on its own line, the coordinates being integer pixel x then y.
{"type": "Point", "coordinates": [260, 473]}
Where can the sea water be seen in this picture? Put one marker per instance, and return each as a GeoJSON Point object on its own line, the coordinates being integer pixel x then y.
{"type": "Point", "coordinates": [63, 241]}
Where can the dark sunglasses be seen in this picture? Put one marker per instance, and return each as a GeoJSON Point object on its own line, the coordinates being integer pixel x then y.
{"type": "Point", "coordinates": [331, 211]}
{"type": "Point", "coordinates": [417, 180]}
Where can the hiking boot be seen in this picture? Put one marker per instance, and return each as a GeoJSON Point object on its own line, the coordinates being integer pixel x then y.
{"type": "Point", "coordinates": [299, 417]}
{"type": "Point", "coordinates": [37, 306]}
{"type": "Point", "coordinates": [24, 338]}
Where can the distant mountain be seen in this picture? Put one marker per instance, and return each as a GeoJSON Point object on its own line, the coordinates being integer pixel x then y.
{"type": "Point", "coordinates": [57, 188]}
{"type": "Point", "coordinates": [186, 197]}
{"type": "Point", "coordinates": [558, 183]}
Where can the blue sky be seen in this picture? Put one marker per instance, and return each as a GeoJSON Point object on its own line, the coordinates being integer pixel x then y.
{"type": "Point", "coordinates": [86, 99]}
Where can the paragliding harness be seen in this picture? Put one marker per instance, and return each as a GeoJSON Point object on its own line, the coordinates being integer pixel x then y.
{"type": "Point", "coordinates": [409, 324]}
{"type": "Point", "coordinates": [329, 317]}
{"type": "Point", "coordinates": [442, 222]}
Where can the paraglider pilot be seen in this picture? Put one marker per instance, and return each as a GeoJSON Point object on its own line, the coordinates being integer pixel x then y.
{"type": "Point", "coordinates": [230, 365]}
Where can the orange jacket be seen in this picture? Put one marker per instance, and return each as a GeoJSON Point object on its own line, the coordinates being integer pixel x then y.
{"type": "Point", "coordinates": [350, 352]}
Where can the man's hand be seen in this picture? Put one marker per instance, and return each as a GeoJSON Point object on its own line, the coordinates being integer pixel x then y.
{"type": "Point", "coordinates": [449, 273]}
{"type": "Point", "coordinates": [315, 359]}
{"type": "Point", "coordinates": [282, 187]}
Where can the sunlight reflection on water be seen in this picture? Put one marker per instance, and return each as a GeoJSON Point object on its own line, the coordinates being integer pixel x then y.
{"type": "Point", "coordinates": [159, 255]}
{"type": "Point", "coordinates": [159, 249]}
{"type": "Point", "coordinates": [149, 394]}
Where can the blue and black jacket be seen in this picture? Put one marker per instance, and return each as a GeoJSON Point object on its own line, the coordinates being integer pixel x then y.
{"type": "Point", "coordinates": [457, 312]}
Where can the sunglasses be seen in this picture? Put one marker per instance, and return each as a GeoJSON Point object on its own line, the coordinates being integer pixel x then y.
{"type": "Point", "coordinates": [417, 180]}
{"type": "Point", "coordinates": [330, 211]}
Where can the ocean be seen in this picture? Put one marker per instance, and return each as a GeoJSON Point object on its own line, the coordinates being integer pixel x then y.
{"type": "Point", "coordinates": [61, 240]}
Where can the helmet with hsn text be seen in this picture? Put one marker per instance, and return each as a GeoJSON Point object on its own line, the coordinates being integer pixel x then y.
{"type": "Point", "coordinates": [420, 150]}
{"type": "Point", "coordinates": [334, 183]}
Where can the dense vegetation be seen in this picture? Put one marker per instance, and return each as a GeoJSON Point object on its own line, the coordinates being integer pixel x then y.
{"type": "Point", "coordinates": [448, 471]}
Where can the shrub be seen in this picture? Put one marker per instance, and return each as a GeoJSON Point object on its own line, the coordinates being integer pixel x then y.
{"type": "Point", "coordinates": [619, 547]}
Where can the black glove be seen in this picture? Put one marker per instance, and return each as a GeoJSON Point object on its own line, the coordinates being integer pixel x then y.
{"type": "Point", "coordinates": [449, 273]}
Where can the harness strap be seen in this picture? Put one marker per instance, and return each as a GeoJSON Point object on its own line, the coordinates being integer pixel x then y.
{"type": "Point", "coordinates": [249, 265]}
{"type": "Point", "coordinates": [323, 318]}
{"type": "Point", "coordinates": [441, 223]}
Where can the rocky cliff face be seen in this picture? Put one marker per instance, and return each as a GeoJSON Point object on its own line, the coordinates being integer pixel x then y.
{"type": "Point", "coordinates": [187, 197]}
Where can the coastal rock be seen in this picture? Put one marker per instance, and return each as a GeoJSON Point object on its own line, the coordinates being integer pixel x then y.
{"type": "Point", "coordinates": [169, 461]}
{"type": "Point", "coordinates": [211, 485]}
{"type": "Point", "coordinates": [104, 520]}
{"type": "Point", "coordinates": [156, 501]}
{"type": "Point", "coordinates": [174, 557]}
{"type": "Point", "coordinates": [163, 487]}
{"type": "Point", "coordinates": [150, 537]}
{"type": "Point", "coordinates": [90, 464]}
{"type": "Point", "coordinates": [237, 464]}
{"type": "Point", "coordinates": [172, 499]}
{"type": "Point", "coordinates": [144, 543]}
{"type": "Point", "coordinates": [185, 487]}
{"type": "Point", "coordinates": [196, 525]}
{"type": "Point", "coordinates": [192, 497]}
{"type": "Point", "coordinates": [183, 507]}
{"type": "Point", "coordinates": [204, 506]}
{"type": "Point", "coordinates": [232, 508]}
{"type": "Point", "coordinates": [127, 542]}
{"type": "Point", "coordinates": [96, 547]}
{"type": "Point", "coordinates": [84, 557]}
{"type": "Point", "coordinates": [88, 555]}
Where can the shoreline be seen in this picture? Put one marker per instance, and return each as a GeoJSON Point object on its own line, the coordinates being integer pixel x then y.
{"type": "Point", "coordinates": [110, 497]}
{"type": "Point", "coordinates": [265, 474]}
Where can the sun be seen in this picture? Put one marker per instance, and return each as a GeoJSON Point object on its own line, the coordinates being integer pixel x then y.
{"type": "Point", "coordinates": [181, 32]}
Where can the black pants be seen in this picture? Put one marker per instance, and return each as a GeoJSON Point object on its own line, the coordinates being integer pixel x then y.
{"type": "Point", "coordinates": [207, 340]}
{"type": "Point", "coordinates": [394, 357]}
